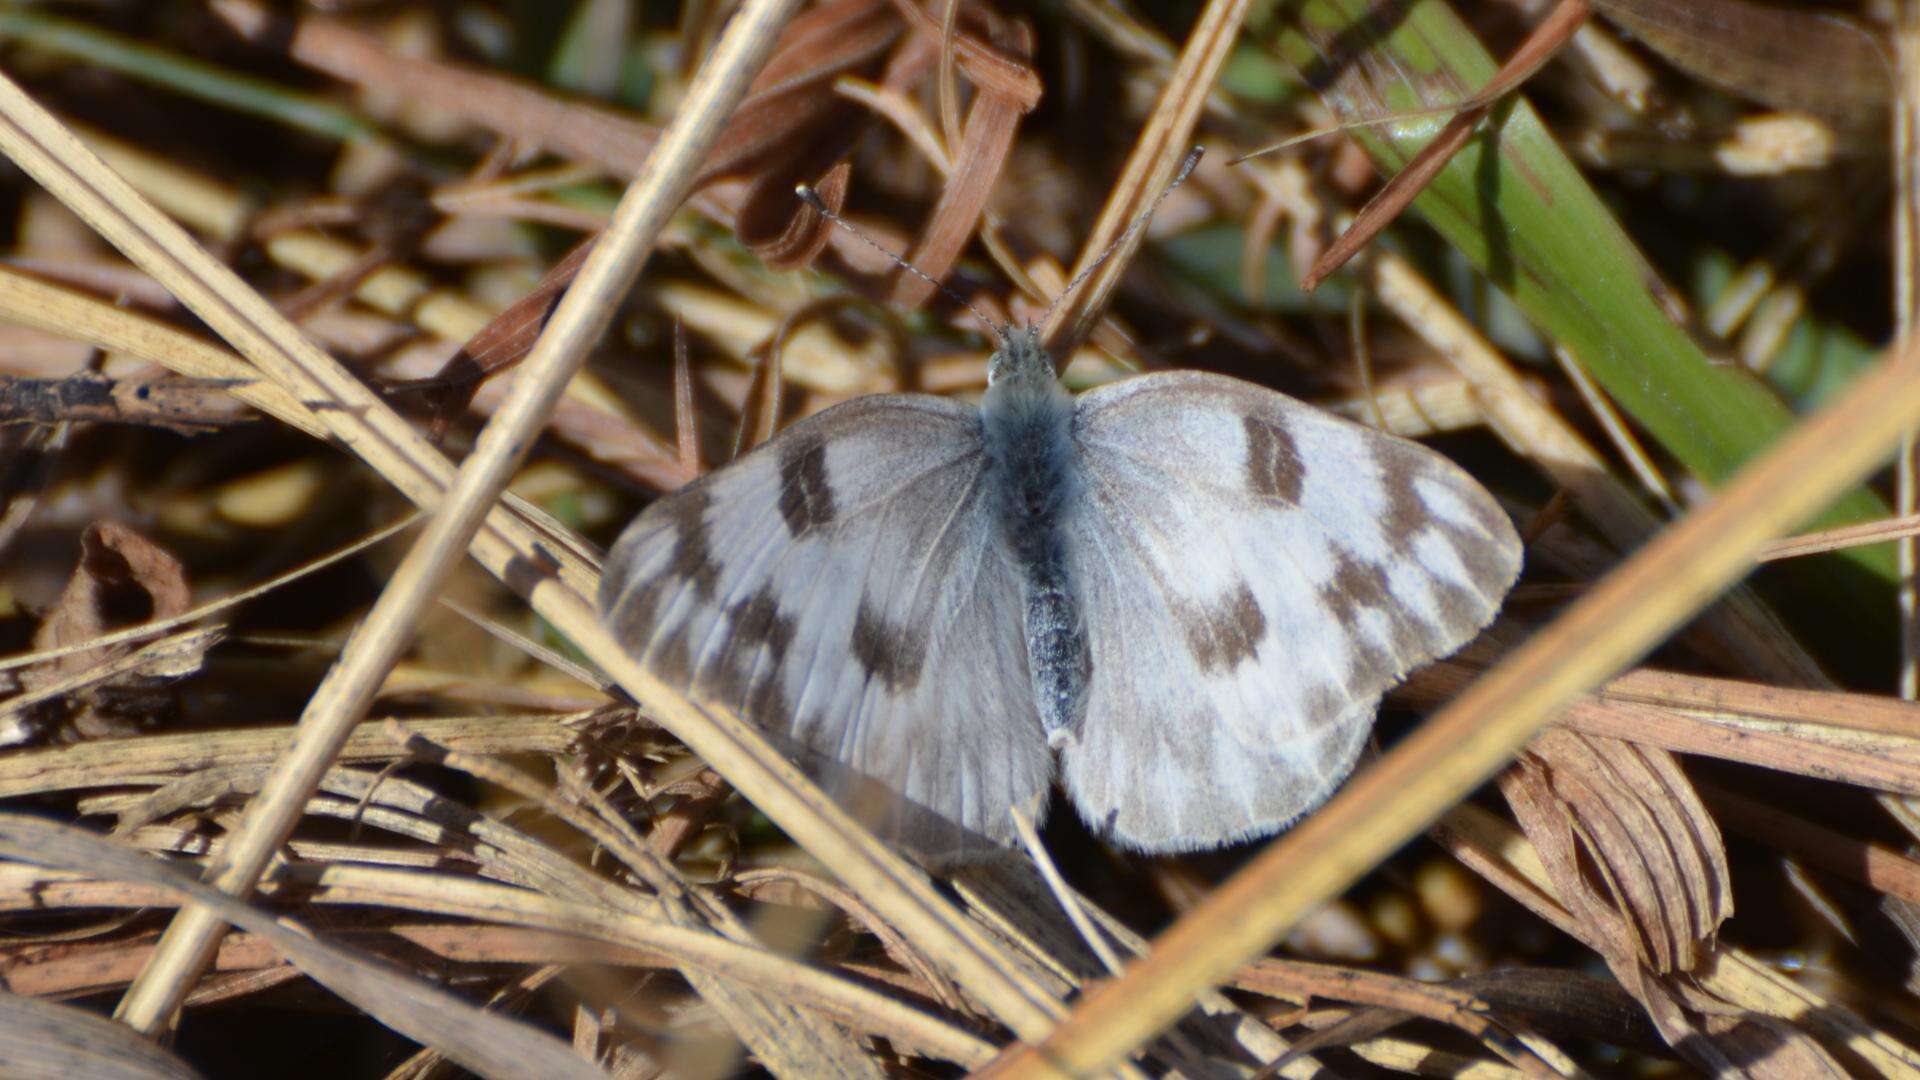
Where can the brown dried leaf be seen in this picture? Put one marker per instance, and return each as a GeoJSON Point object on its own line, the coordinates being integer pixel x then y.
{"type": "Point", "coordinates": [1692, 1011]}
{"type": "Point", "coordinates": [793, 127]}
{"type": "Point", "coordinates": [983, 64]}
{"type": "Point", "coordinates": [785, 231]}
{"type": "Point", "coordinates": [985, 141]}
{"type": "Point", "coordinates": [512, 108]}
{"type": "Point", "coordinates": [792, 106]}
{"type": "Point", "coordinates": [503, 342]}
{"type": "Point", "coordinates": [1628, 843]}
{"type": "Point", "coordinates": [121, 580]}
{"type": "Point", "coordinates": [1813, 61]}
{"type": "Point", "coordinates": [1638, 862]}
{"type": "Point", "coordinates": [791, 101]}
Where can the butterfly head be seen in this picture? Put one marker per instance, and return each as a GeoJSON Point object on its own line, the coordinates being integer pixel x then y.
{"type": "Point", "coordinates": [1020, 357]}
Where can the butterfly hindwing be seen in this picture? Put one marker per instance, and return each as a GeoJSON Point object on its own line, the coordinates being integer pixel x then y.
{"type": "Point", "coordinates": [1254, 575]}
{"type": "Point", "coordinates": [843, 589]}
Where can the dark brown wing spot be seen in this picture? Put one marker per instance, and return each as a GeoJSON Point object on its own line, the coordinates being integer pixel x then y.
{"type": "Point", "coordinates": [757, 621]}
{"type": "Point", "coordinates": [1274, 468]}
{"type": "Point", "coordinates": [742, 678]}
{"type": "Point", "coordinates": [689, 565]}
{"type": "Point", "coordinates": [891, 654]}
{"type": "Point", "coordinates": [1407, 513]}
{"type": "Point", "coordinates": [1480, 550]}
{"type": "Point", "coordinates": [1225, 633]}
{"type": "Point", "coordinates": [692, 558]}
{"type": "Point", "coordinates": [1355, 588]}
{"type": "Point", "coordinates": [806, 497]}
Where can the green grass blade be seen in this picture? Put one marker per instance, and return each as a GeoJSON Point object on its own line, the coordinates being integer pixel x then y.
{"type": "Point", "coordinates": [192, 78]}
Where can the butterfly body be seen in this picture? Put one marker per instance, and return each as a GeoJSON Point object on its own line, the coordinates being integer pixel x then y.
{"type": "Point", "coordinates": [1027, 438]}
{"type": "Point", "coordinates": [1183, 593]}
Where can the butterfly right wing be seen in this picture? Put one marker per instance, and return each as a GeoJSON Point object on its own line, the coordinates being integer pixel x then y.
{"type": "Point", "coordinates": [844, 589]}
{"type": "Point", "coordinates": [1255, 574]}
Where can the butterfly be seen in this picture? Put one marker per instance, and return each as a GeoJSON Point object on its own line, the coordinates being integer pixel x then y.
{"type": "Point", "coordinates": [1182, 593]}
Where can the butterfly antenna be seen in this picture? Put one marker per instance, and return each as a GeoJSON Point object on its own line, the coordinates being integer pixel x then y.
{"type": "Point", "coordinates": [1361, 124]}
{"type": "Point", "coordinates": [812, 198]}
{"type": "Point", "coordinates": [1186, 169]}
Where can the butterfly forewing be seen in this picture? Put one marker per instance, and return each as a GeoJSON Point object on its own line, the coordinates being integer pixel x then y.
{"type": "Point", "coordinates": [1255, 574]}
{"type": "Point", "coordinates": [842, 588]}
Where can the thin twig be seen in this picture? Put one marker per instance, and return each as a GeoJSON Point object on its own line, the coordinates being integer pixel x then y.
{"type": "Point", "coordinates": [1847, 536]}
{"type": "Point", "coordinates": [1069, 903]}
{"type": "Point", "coordinates": [1906, 308]}
{"type": "Point", "coordinates": [1161, 148]}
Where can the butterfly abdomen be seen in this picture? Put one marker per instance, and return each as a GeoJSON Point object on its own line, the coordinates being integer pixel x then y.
{"type": "Point", "coordinates": [1034, 481]}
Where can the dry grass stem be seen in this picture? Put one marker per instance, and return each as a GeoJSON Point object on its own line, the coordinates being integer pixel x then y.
{"type": "Point", "coordinates": [1906, 311]}
{"type": "Point", "coordinates": [1873, 532]}
{"type": "Point", "coordinates": [1157, 153]}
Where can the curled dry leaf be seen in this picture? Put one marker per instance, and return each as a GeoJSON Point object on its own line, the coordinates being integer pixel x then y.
{"type": "Point", "coordinates": [1629, 844]}
{"type": "Point", "coordinates": [1640, 865]}
{"type": "Point", "coordinates": [1695, 1012]}
{"type": "Point", "coordinates": [783, 238]}
{"type": "Point", "coordinates": [121, 580]}
{"type": "Point", "coordinates": [792, 103]}
{"type": "Point", "coordinates": [1003, 98]}
{"type": "Point", "coordinates": [506, 338]}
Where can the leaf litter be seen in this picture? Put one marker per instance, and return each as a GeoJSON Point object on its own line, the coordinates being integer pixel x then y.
{"type": "Point", "coordinates": [1614, 927]}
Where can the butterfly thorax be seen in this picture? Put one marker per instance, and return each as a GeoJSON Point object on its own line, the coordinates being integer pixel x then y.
{"type": "Point", "coordinates": [1033, 477]}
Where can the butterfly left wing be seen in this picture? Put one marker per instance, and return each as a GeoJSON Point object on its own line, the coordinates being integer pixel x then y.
{"type": "Point", "coordinates": [843, 588]}
{"type": "Point", "coordinates": [1254, 574]}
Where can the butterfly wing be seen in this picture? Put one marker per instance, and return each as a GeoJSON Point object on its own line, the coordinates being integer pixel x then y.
{"type": "Point", "coordinates": [844, 589]}
{"type": "Point", "coordinates": [1254, 575]}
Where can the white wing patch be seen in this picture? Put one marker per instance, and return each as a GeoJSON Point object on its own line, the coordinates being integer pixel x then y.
{"type": "Point", "coordinates": [1255, 574]}
{"type": "Point", "coordinates": [842, 588]}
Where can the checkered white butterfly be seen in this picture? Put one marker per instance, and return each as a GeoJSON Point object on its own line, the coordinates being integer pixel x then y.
{"type": "Point", "coordinates": [1188, 591]}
